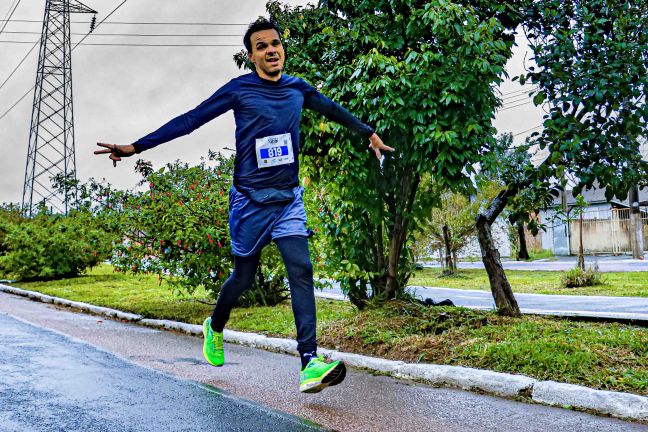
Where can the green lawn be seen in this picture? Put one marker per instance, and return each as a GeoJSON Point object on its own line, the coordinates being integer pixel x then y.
{"type": "Point", "coordinates": [634, 284]}
{"type": "Point", "coordinates": [606, 356]}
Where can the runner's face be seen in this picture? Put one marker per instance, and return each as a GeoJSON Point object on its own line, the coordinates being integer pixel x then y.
{"type": "Point", "coordinates": [267, 54]}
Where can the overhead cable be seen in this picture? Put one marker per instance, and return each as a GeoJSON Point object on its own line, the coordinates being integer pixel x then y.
{"type": "Point", "coordinates": [77, 44]}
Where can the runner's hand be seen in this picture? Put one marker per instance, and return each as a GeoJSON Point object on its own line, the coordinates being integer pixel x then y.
{"type": "Point", "coordinates": [116, 151]}
{"type": "Point", "coordinates": [376, 145]}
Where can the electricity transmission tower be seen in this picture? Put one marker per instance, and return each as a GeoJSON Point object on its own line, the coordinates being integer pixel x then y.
{"type": "Point", "coordinates": [51, 136]}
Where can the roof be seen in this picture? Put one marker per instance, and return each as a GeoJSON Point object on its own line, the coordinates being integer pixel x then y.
{"type": "Point", "coordinates": [596, 195]}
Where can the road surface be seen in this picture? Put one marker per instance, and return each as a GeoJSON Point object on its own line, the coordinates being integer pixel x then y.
{"type": "Point", "coordinates": [605, 263]}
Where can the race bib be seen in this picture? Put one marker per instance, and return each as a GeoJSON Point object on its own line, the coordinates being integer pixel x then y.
{"type": "Point", "coordinates": [274, 150]}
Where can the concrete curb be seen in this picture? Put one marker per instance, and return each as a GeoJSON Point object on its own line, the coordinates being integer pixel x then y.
{"type": "Point", "coordinates": [618, 404]}
{"type": "Point", "coordinates": [86, 307]}
{"type": "Point", "coordinates": [624, 405]}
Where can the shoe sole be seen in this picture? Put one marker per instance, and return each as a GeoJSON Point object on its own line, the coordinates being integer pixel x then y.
{"type": "Point", "coordinates": [205, 347]}
{"type": "Point", "coordinates": [333, 377]}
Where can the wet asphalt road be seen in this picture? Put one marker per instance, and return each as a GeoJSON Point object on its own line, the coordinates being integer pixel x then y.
{"type": "Point", "coordinates": [362, 403]}
{"type": "Point", "coordinates": [49, 382]}
{"type": "Point", "coordinates": [605, 263]}
{"type": "Point", "coordinates": [635, 308]}
{"type": "Point", "coordinates": [627, 308]}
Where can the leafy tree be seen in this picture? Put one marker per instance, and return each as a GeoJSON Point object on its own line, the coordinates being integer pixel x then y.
{"type": "Point", "coordinates": [522, 192]}
{"type": "Point", "coordinates": [422, 74]}
{"type": "Point", "coordinates": [591, 74]}
{"type": "Point", "coordinates": [451, 226]}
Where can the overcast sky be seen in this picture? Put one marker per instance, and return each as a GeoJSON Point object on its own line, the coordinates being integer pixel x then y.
{"type": "Point", "coordinates": [123, 93]}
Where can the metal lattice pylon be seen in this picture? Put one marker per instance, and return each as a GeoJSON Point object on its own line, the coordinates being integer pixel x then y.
{"type": "Point", "coordinates": [51, 136]}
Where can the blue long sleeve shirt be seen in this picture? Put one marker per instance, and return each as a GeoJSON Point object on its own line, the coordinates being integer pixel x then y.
{"type": "Point", "coordinates": [262, 109]}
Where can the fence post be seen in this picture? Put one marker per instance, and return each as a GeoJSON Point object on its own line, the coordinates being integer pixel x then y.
{"type": "Point", "coordinates": [636, 225]}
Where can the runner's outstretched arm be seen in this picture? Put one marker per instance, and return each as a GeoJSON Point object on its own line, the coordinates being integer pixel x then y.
{"type": "Point", "coordinates": [217, 104]}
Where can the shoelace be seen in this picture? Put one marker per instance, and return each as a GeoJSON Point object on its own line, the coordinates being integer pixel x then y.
{"type": "Point", "coordinates": [217, 338]}
{"type": "Point", "coordinates": [315, 361]}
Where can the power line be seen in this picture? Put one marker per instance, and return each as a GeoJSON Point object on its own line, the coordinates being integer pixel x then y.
{"type": "Point", "coordinates": [77, 44]}
{"type": "Point", "coordinates": [16, 103]}
{"type": "Point", "coordinates": [138, 45]}
{"type": "Point", "coordinates": [134, 34]}
{"type": "Point", "coordinates": [18, 65]}
{"type": "Point", "coordinates": [528, 130]}
{"type": "Point", "coordinates": [515, 106]}
{"type": "Point", "coordinates": [100, 23]}
{"type": "Point", "coordinates": [523, 98]}
{"type": "Point", "coordinates": [10, 15]}
{"type": "Point", "coordinates": [524, 90]}
{"type": "Point", "coordinates": [9, 10]}
{"type": "Point", "coordinates": [145, 23]}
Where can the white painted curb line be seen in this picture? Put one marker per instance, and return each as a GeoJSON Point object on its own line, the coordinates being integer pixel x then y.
{"type": "Point", "coordinates": [624, 405]}
{"type": "Point", "coordinates": [86, 307]}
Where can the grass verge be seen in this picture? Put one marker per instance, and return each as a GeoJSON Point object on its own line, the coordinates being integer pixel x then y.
{"type": "Point", "coordinates": [623, 284]}
{"type": "Point", "coordinates": [604, 356]}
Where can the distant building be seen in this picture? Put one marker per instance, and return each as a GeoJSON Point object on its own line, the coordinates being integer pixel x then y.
{"type": "Point", "coordinates": [606, 224]}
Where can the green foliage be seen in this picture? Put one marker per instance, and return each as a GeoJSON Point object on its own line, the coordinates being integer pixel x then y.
{"type": "Point", "coordinates": [177, 229]}
{"type": "Point", "coordinates": [421, 75]}
{"type": "Point", "coordinates": [509, 166]}
{"type": "Point", "coordinates": [536, 254]}
{"type": "Point", "coordinates": [177, 226]}
{"type": "Point", "coordinates": [9, 216]}
{"type": "Point", "coordinates": [592, 72]}
{"type": "Point", "coordinates": [577, 277]}
{"type": "Point", "coordinates": [606, 356]}
{"type": "Point", "coordinates": [53, 246]}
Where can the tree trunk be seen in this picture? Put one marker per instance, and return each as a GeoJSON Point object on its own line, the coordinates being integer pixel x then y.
{"type": "Point", "coordinates": [581, 256]}
{"type": "Point", "coordinates": [500, 286]}
{"type": "Point", "coordinates": [454, 260]}
{"type": "Point", "coordinates": [398, 234]}
{"type": "Point", "coordinates": [358, 294]}
{"type": "Point", "coordinates": [523, 253]}
{"type": "Point", "coordinates": [448, 253]}
{"type": "Point", "coordinates": [441, 260]}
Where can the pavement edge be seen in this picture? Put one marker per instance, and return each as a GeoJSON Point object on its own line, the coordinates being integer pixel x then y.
{"type": "Point", "coordinates": [623, 405]}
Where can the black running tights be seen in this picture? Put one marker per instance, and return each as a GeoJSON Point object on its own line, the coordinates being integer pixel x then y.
{"type": "Point", "coordinates": [294, 251]}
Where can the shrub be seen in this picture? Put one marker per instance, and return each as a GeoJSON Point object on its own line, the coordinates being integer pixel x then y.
{"type": "Point", "coordinates": [9, 216]}
{"type": "Point", "coordinates": [177, 228]}
{"type": "Point", "coordinates": [576, 277]}
{"type": "Point", "coordinates": [53, 246]}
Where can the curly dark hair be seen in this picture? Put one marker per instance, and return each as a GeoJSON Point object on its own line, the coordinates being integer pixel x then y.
{"type": "Point", "coordinates": [260, 24]}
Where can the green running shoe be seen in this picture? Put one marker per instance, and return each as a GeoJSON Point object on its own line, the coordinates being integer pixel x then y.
{"type": "Point", "coordinates": [213, 345]}
{"type": "Point", "coordinates": [317, 375]}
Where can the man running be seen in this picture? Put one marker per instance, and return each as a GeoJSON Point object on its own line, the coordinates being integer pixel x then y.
{"type": "Point", "coordinates": [265, 202]}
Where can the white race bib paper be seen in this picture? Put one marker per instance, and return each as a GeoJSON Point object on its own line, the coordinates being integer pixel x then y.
{"type": "Point", "coordinates": [274, 150]}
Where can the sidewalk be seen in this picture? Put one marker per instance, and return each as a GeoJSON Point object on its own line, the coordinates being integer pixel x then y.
{"type": "Point", "coordinates": [633, 309]}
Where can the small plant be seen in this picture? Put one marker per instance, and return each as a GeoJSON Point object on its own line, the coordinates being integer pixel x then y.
{"type": "Point", "coordinates": [576, 277]}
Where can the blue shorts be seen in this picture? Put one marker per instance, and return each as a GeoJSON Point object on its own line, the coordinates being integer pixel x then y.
{"type": "Point", "coordinates": [253, 226]}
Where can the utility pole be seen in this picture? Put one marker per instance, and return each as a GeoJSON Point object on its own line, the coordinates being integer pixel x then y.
{"type": "Point", "coordinates": [51, 136]}
{"type": "Point", "coordinates": [636, 224]}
